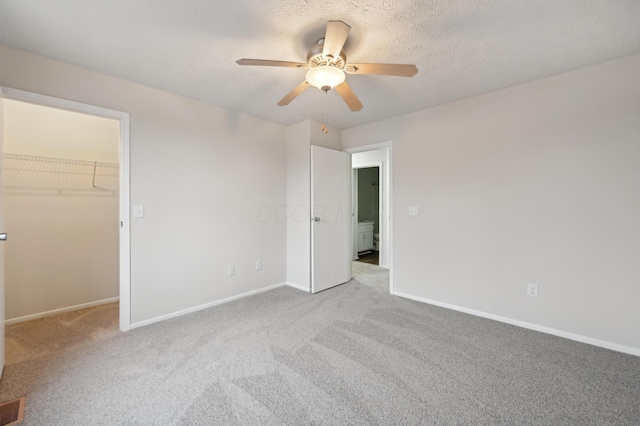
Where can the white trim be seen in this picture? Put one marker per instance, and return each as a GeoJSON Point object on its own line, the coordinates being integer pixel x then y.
{"type": "Point", "coordinates": [298, 287]}
{"type": "Point", "coordinates": [354, 211]}
{"type": "Point", "coordinates": [365, 148]}
{"type": "Point", "coordinates": [2, 224]}
{"type": "Point", "coordinates": [577, 337]}
{"type": "Point", "coordinates": [312, 228]}
{"type": "Point", "coordinates": [59, 103]}
{"type": "Point", "coordinates": [61, 310]}
{"type": "Point", "coordinates": [125, 224]}
{"type": "Point", "coordinates": [124, 201]}
{"type": "Point", "coordinates": [205, 306]}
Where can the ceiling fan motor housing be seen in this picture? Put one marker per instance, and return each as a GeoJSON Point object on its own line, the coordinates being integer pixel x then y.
{"type": "Point", "coordinates": [315, 58]}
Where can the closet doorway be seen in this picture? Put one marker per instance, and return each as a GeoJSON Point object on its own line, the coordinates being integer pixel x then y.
{"type": "Point", "coordinates": [63, 185]}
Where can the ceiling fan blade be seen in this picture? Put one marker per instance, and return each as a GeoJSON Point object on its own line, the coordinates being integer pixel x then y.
{"type": "Point", "coordinates": [399, 70]}
{"type": "Point", "coordinates": [268, 63]}
{"type": "Point", "coordinates": [335, 37]}
{"type": "Point", "coordinates": [294, 93]}
{"type": "Point", "coordinates": [349, 97]}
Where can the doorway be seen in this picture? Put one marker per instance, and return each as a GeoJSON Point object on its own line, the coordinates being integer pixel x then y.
{"type": "Point", "coordinates": [60, 186]}
{"type": "Point", "coordinates": [374, 157]}
{"type": "Point", "coordinates": [121, 193]}
{"type": "Point", "coordinates": [367, 211]}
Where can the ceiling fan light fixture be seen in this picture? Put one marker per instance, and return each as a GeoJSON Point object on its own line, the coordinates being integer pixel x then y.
{"type": "Point", "coordinates": [327, 65]}
{"type": "Point", "coordinates": [325, 77]}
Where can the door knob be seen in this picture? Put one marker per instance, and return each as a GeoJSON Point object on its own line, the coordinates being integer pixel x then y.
{"type": "Point", "coordinates": [316, 219]}
{"type": "Point", "coordinates": [3, 237]}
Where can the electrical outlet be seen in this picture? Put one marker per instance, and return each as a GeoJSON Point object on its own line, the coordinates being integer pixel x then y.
{"type": "Point", "coordinates": [532, 290]}
{"type": "Point", "coordinates": [413, 211]}
{"type": "Point", "coordinates": [258, 265]}
{"type": "Point", "coordinates": [138, 211]}
{"type": "Point", "coordinates": [232, 270]}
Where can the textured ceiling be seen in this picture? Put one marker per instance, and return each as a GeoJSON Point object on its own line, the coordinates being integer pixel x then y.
{"type": "Point", "coordinates": [189, 47]}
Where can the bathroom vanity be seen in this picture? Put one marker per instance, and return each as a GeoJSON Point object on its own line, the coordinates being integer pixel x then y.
{"type": "Point", "coordinates": [365, 236]}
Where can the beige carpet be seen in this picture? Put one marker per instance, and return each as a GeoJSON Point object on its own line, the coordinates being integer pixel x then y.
{"type": "Point", "coordinates": [27, 341]}
{"type": "Point", "coordinates": [34, 349]}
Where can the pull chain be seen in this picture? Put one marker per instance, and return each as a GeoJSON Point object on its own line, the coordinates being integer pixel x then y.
{"type": "Point", "coordinates": [325, 127]}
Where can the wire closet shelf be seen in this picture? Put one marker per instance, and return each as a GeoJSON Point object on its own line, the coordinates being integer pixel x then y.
{"type": "Point", "coordinates": [63, 176]}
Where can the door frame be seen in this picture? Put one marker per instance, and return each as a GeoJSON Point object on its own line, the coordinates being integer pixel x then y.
{"type": "Point", "coordinates": [2, 229]}
{"type": "Point", "coordinates": [124, 194]}
{"type": "Point", "coordinates": [376, 147]}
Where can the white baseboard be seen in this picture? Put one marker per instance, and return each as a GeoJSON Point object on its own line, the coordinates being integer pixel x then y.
{"type": "Point", "coordinates": [299, 287]}
{"type": "Point", "coordinates": [201, 307]}
{"type": "Point", "coordinates": [577, 337]}
{"type": "Point", "coordinates": [61, 310]}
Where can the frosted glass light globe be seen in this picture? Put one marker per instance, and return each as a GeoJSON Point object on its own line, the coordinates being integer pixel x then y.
{"type": "Point", "coordinates": [325, 76]}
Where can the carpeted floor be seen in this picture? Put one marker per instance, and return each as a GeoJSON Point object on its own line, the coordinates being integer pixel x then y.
{"type": "Point", "coordinates": [349, 355]}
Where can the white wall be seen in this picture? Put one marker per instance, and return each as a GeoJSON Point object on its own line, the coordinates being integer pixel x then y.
{"type": "Point", "coordinates": [63, 250]}
{"type": "Point", "coordinates": [331, 139]}
{"type": "Point", "coordinates": [202, 173]}
{"type": "Point", "coordinates": [298, 199]}
{"type": "Point", "coordinates": [51, 132]}
{"type": "Point", "coordinates": [537, 183]}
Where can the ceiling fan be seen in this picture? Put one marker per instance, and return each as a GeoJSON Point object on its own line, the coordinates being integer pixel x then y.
{"type": "Point", "coordinates": [327, 65]}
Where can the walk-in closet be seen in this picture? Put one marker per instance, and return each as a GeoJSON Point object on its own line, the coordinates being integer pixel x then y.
{"type": "Point", "coordinates": [60, 181]}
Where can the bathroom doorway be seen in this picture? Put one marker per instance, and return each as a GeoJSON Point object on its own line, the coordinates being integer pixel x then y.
{"type": "Point", "coordinates": [376, 157]}
{"type": "Point", "coordinates": [367, 196]}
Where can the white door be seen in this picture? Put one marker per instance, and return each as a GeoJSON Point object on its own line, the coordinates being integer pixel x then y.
{"type": "Point", "coordinates": [331, 218]}
{"type": "Point", "coordinates": [2, 237]}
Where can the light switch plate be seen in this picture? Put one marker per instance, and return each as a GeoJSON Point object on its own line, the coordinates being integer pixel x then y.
{"type": "Point", "coordinates": [413, 210]}
{"type": "Point", "coordinates": [138, 211]}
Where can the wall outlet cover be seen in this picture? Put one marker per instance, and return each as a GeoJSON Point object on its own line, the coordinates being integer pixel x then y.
{"type": "Point", "coordinates": [532, 290]}
{"type": "Point", "coordinates": [138, 211]}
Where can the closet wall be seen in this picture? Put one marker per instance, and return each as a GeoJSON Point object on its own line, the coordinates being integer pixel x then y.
{"type": "Point", "coordinates": [61, 209]}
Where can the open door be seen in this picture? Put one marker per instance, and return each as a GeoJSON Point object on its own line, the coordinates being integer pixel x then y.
{"type": "Point", "coordinates": [331, 218]}
{"type": "Point", "coordinates": [3, 236]}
